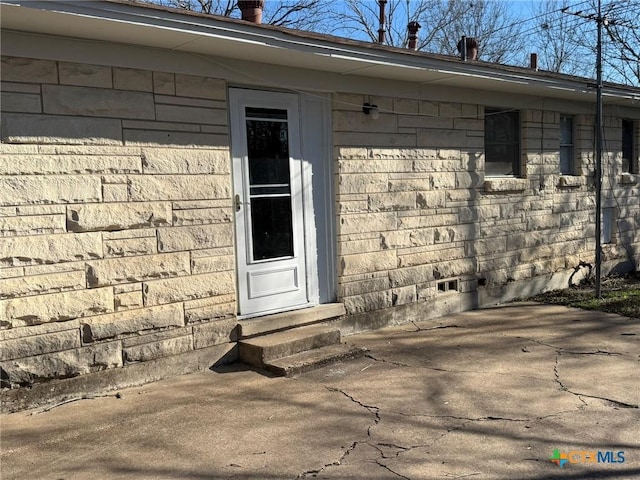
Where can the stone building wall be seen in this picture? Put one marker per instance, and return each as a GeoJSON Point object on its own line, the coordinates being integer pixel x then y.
{"type": "Point", "coordinates": [116, 234]}
{"type": "Point", "coordinates": [116, 241]}
{"type": "Point", "coordinates": [419, 222]}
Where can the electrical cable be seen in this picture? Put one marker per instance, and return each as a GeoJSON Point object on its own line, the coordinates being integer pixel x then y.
{"type": "Point", "coordinates": [538, 16]}
{"type": "Point", "coordinates": [613, 74]}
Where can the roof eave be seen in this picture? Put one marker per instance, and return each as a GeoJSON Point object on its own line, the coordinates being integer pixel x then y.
{"type": "Point", "coordinates": [126, 22]}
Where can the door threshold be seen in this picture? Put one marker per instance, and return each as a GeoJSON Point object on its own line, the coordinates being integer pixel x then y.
{"type": "Point", "coordinates": [275, 311]}
{"type": "Point", "coordinates": [290, 319]}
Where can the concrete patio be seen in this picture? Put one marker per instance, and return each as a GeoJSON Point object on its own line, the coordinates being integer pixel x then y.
{"type": "Point", "coordinates": [488, 394]}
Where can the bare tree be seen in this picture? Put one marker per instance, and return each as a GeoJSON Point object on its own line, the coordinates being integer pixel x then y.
{"type": "Point", "coordinates": [491, 22]}
{"type": "Point", "coordinates": [443, 22]}
{"type": "Point", "coordinates": [553, 36]}
{"type": "Point", "coordinates": [298, 14]}
{"type": "Point", "coordinates": [214, 7]}
{"type": "Point", "coordinates": [565, 36]}
{"type": "Point", "coordinates": [360, 19]}
{"type": "Point", "coordinates": [622, 26]}
{"type": "Point", "coordinates": [565, 43]}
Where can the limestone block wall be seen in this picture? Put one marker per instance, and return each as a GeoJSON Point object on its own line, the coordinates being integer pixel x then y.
{"type": "Point", "coordinates": [116, 242]}
{"type": "Point", "coordinates": [419, 222]}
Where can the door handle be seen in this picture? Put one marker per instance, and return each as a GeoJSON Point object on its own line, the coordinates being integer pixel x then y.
{"type": "Point", "coordinates": [238, 203]}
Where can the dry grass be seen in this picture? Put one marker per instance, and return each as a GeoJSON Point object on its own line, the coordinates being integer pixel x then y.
{"type": "Point", "coordinates": [620, 295]}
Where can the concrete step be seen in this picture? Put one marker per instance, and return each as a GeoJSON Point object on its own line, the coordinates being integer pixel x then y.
{"type": "Point", "coordinates": [258, 351]}
{"type": "Point", "coordinates": [287, 320]}
{"type": "Point", "coordinates": [312, 359]}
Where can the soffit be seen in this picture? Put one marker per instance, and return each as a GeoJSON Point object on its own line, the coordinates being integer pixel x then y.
{"type": "Point", "coordinates": [211, 36]}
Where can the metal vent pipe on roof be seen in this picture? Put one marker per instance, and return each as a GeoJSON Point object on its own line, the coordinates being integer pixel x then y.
{"type": "Point", "coordinates": [534, 61]}
{"type": "Point", "coordinates": [413, 28]}
{"type": "Point", "coordinates": [251, 10]}
{"type": "Point", "coordinates": [381, 30]}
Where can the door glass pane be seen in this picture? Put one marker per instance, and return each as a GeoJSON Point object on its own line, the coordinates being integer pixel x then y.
{"type": "Point", "coordinates": [269, 189]}
{"type": "Point", "coordinates": [269, 183]}
{"type": "Point", "coordinates": [264, 113]}
{"type": "Point", "coordinates": [268, 150]}
{"type": "Point", "coordinates": [271, 227]}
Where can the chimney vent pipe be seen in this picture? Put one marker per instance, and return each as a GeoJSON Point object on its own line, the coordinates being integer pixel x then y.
{"type": "Point", "coordinates": [251, 10]}
{"type": "Point", "coordinates": [534, 61]}
{"type": "Point", "coordinates": [381, 30]}
{"type": "Point", "coordinates": [413, 28]}
{"type": "Point", "coordinates": [468, 48]}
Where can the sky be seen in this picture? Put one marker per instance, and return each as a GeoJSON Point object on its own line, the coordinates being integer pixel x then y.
{"type": "Point", "coordinates": [580, 61]}
{"type": "Point", "coordinates": [578, 58]}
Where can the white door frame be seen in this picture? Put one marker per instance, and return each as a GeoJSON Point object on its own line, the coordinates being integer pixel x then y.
{"type": "Point", "coordinates": [319, 176]}
{"type": "Point", "coordinates": [313, 127]}
{"type": "Point", "coordinates": [272, 284]}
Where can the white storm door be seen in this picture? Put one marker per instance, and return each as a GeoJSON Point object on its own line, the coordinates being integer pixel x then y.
{"type": "Point", "coordinates": [267, 178]}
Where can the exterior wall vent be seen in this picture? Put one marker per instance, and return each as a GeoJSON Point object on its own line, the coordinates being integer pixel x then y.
{"type": "Point", "coordinates": [448, 286]}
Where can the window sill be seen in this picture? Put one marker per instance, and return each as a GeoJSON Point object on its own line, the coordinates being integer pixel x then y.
{"type": "Point", "coordinates": [505, 184]}
{"type": "Point", "coordinates": [571, 181]}
{"type": "Point", "coordinates": [629, 179]}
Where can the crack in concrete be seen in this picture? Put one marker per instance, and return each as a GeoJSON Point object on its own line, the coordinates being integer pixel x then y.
{"type": "Point", "coordinates": [616, 403]}
{"type": "Point", "coordinates": [469, 419]}
{"type": "Point", "coordinates": [439, 327]}
{"type": "Point", "coordinates": [449, 430]}
{"type": "Point", "coordinates": [561, 350]}
{"type": "Point", "coordinates": [337, 463]}
{"type": "Point", "coordinates": [382, 360]}
{"type": "Point", "coordinates": [437, 369]}
{"type": "Point", "coordinates": [463, 475]}
{"type": "Point", "coordinates": [383, 456]}
{"type": "Point", "coordinates": [86, 396]}
{"type": "Point", "coordinates": [377, 446]}
{"type": "Point", "coordinates": [373, 409]}
{"type": "Point", "coordinates": [399, 475]}
{"type": "Point", "coordinates": [490, 417]}
{"type": "Point", "coordinates": [557, 374]}
{"type": "Point", "coordinates": [399, 448]}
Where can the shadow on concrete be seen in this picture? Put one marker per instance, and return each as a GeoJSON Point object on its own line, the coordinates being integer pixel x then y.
{"type": "Point", "coordinates": [462, 394]}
